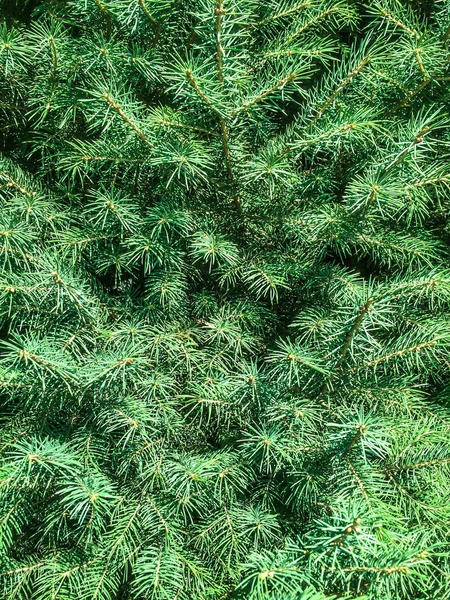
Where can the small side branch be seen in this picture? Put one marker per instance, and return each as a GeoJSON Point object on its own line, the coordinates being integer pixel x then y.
{"type": "Point", "coordinates": [10, 182]}
{"type": "Point", "coordinates": [224, 133]}
{"type": "Point", "coordinates": [284, 13]}
{"type": "Point", "coordinates": [356, 71]}
{"type": "Point", "coordinates": [389, 17]}
{"type": "Point", "coordinates": [353, 528]}
{"type": "Point", "coordinates": [201, 94]}
{"type": "Point", "coordinates": [264, 95]}
{"type": "Point", "coordinates": [353, 330]}
{"type": "Point", "coordinates": [152, 19]}
{"type": "Point", "coordinates": [119, 110]}
{"type": "Point", "coordinates": [417, 52]}
{"type": "Point", "coordinates": [310, 23]}
{"type": "Point", "coordinates": [388, 357]}
{"type": "Point", "coordinates": [355, 439]}
{"type": "Point", "coordinates": [106, 16]}
{"type": "Point", "coordinates": [51, 41]}
{"type": "Point", "coordinates": [219, 12]}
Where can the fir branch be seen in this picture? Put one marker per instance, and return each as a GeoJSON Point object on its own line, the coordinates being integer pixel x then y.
{"type": "Point", "coordinates": [119, 110]}
{"type": "Point", "coordinates": [106, 16]}
{"type": "Point", "coordinates": [392, 355]}
{"type": "Point", "coordinates": [152, 19]}
{"type": "Point", "coordinates": [284, 13]}
{"type": "Point", "coordinates": [265, 94]}
{"type": "Point", "coordinates": [224, 136]}
{"type": "Point", "coordinates": [219, 11]}
{"type": "Point", "coordinates": [310, 23]}
{"type": "Point", "coordinates": [193, 82]}
{"type": "Point", "coordinates": [364, 309]}
{"type": "Point", "coordinates": [396, 21]}
{"type": "Point", "coordinates": [340, 88]}
{"type": "Point", "coordinates": [10, 182]}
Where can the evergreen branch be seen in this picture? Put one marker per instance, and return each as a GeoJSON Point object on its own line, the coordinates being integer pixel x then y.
{"type": "Point", "coordinates": [294, 52]}
{"type": "Point", "coordinates": [14, 184]}
{"type": "Point", "coordinates": [341, 87]}
{"type": "Point", "coordinates": [166, 123]}
{"type": "Point", "coordinates": [86, 240]}
{"type": "Point", "coordinates": [432, 181]}
{"type": "Point", "coordinates": [390, 79]}
{"type": "Point", "coordinates": [96, 158]}
{"type": "Point", "coordinates": [226, 151]}
{"type": "Point", "coordinates": [119, 110]}
{"type": "Point", "coordinates": [152, 19]}
{"type": "Point", "coordinates": [51, 41]}
{"type": "Point", "coordinates": [106, 16]}
{"type": "Point", "coordinates": [201, 94]}
{"type": "Point", "coordinates": [147, 13]}
{"type": "Point", "coordinates": [72, 570]}
{"type": "Point", "coordinates": [355, 439]}
{"type": "Point", "coordinates": [371, 241]}
{"type": "Point", "coordinates": [353, 528]}
{"type": "Point", "coordinates": [434, 77]}
{"type": "Point", "coordinates": [224, 136]}
{"type": "Point", "coordinates": [265, 94]}
{"type": "Point", "coordinates": [397, 22]}
{"type": "Point", "coordinates": [404, 492]}
{"type": "Point", "coordinates": [387, 357]}
{"type": "Point", "coordinates": [418, 465]}
{"type": "Point", "coordinates": [404, 570]}
{"type": "Point", "coordinates": [313, 21]}
{"type": "Point", "coordinates": [364, 309]}
{"type": "Point", "coordinates": [284, 13]}
{"type": "Point", "coordinates": [326, 135]}
{"type": "Point", "coordinates": [411, 95]}
{"type": "Point", "coordinates": [23, 569]}
{"type": "Point", "coordinates": [112, 552]}
{"type": "Point", "coordinates": [219, 12]}
{"type": "Point", "coordinates": [417, 52]}
{"type": "Point", "coordinates": [358, 479]}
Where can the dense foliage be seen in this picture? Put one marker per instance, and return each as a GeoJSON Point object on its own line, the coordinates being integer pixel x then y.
{"type": "Point", "coordinates": [224, 299]}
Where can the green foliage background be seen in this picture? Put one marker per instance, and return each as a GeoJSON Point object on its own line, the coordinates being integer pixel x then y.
{"type": "Point", "coordinates": [224, 299]}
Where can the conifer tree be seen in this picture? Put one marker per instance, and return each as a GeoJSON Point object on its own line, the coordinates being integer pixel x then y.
{"type": "Point", "coordinates": [224, 299]}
